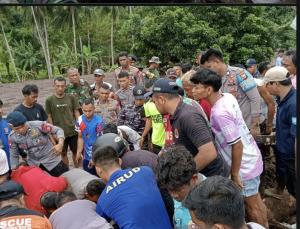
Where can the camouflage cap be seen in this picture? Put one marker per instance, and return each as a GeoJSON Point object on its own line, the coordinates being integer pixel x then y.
{"type": "Point", "coordinates": [154, 59]}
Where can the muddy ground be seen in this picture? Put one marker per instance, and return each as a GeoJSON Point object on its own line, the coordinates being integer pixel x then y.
{"type": "Point", "coordinates": [280, 210]}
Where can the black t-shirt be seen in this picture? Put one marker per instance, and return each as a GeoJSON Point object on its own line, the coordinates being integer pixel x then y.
{"type": "Point", "coordinates": [34, 113]}
{"type": "Point", "coordinates": [191, 130]}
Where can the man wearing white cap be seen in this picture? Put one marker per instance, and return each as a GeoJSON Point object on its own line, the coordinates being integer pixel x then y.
{"type": "Point", "coordinates": [278, 83]}
{"type": "Point", "coordinates": [99, 80]}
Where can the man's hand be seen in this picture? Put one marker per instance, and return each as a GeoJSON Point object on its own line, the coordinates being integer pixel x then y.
{"type": "Point", "coordinates": [91, 164]}
{"type": "Point", "coordinates": [269, 129]}
{"type": "Point", "coordinates": [255, 130]}
{"type": "Point", "coordinates": [79, 157]}
{"type": "Point", "coordinates": [237, 180]}
{"type": "Point", "coordinates": [142, 141]}
{"type": "Point", "coordinates": [58, 148]}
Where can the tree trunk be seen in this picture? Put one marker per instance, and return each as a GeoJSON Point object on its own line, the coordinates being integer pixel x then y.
{"type": "Point", "coordinates": [9, 52]}
{"type": "Point", "coordinates": [82, 62]}
{"type": "Point", "coordinates": [7, 68]}
{"type": "Point", "coordinates": [132, 36]}
{"type": "Point", "coordinates": [89, 59]}
{"type": "Point", "coordinates": [49, 67]}
{"type": "Point", "coordinates": [72, 8]}
{"type": "Point", "coordinates": [112, 36]}
{"type": "Point", "coordinates": [42, 44]}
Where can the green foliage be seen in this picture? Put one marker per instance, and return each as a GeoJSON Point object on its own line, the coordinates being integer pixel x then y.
{"type": "Point", "coordinates": [27, 57]}
{"type": "Point", "coordinates": [174, 33]}
{"type": "Point", "coordinates": [64, 58]}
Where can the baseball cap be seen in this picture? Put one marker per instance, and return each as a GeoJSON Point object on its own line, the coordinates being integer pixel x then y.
{"type": "Point", "coordinates": [133, 57]}
{"type": "Point", "coordinates": [154, 59]}
{"type": "Point", "coordinates": [171, 73]}
{"type": "Point", "coordinates": [4, 168]}
{"type": "Point", "coordinates": [16, 118]}
{"type": "Point", "coordinates": [99, 72]}
{"type": "Point", "coordinates": [164, 86]}
{"type": "Point", "coordinates": [139, 92]}
{"type": "Point", "coordinates": [250, 62]}
{"type": "Point", "coordinates": [259, 82]}
{"type": "Point", "coordinates": [9, 189]}
{"type": "Point", "coordinates": [276, 74]}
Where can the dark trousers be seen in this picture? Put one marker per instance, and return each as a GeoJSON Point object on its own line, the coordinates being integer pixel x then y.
{"type": "Point", "coordinates": [285, 172]}
{"type": "Point", "coordinates": [86, 168]}
{"type": "Point", "coordinates": [156, 149]}
{"type": "Point", "coordinates": [57, 170]}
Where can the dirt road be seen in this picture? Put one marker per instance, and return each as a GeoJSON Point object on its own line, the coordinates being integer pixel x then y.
{"type": "Point", "coordinates": [11, 93]}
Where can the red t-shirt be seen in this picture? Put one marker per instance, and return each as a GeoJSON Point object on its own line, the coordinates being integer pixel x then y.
{"type": "Point", "coordinates": [206, 107]}
{"type": "Point", "coordinates": [36, 182]}
{"type": "Point", "coordinates": [168, 129]}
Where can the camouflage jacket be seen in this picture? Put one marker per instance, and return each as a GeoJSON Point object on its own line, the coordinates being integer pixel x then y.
{"type": "Point", "coordinates": [109, 110]}
{"type": "Point", "coordinates": [125, 97]}
{"type": "Point", "coordinates": [81, 92]}
{"type": "Point", "coordinates": [150, 76]}
{"type": "Point", "coordinates": [132, 116]}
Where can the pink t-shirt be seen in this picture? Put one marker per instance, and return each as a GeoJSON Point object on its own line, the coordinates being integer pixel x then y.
{"type": "Point", "coordinates": [294, 81]}
{"type": "Point", "coordinates": [229, 127]}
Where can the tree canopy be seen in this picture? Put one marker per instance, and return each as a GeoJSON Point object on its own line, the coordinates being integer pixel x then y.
{"type": "Point", "coordinates": [43, 41]}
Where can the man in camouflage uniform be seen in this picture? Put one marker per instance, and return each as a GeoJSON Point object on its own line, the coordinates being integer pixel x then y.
{"type": "Point", "coordinates": [107, 107]}
{"type": "Point", "coordinates": [151, 74]}
{"type": "Point", "coordinates": [132, 114]}
{"type": "Point", "coordinates": [78, 87]}
{"type": "Point", "coordinates": [36, 139]}
{"type": "Point", "coordinates": [135, 76]}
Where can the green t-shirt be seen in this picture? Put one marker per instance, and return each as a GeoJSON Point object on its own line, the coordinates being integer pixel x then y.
{"type": "Point", "coordinates": [62, 112]}
{"type": "Point", "coordinates": [158, 129]}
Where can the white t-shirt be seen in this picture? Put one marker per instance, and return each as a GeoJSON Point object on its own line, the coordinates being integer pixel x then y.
{"type": "Point", "coordinates": [133, 136]}
{"type": "Point", "coordinates": [229, 127]}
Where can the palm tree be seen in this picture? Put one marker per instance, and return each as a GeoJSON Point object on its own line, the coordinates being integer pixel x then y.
{"type": "Point", "coordinates": [37, 13]}
{"type": "Point", "coordinates": [28, 58]}
{"type": "Point", "coordinates": [67, 16]}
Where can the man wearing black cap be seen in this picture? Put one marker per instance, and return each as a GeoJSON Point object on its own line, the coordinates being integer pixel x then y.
{"type": "Point", "coordinates": [151, 73]}
{"type": "Point", "coordinates": [189, 128]}
{"type": "Point", "coordinates": [13, 213]}
{"type": "Point", "coordinates": [133, 60]}
{"type": "Point", "coordinates": [132, 114]}
{"type": "Point", "coordinates": [34, 138]}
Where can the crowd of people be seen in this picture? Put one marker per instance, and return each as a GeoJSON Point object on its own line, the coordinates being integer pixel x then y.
{"type": "Point", "coordinates": [151, 150]}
